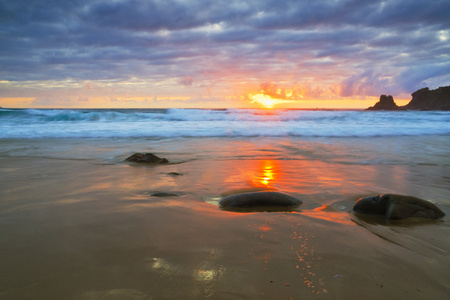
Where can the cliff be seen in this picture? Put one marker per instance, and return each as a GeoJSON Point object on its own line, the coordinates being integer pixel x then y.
{"type": "Point", "coordinates": [423, 99]}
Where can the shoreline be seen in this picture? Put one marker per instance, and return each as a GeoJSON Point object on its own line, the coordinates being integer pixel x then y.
{"type": "Point", "coordinates": [78, 223]}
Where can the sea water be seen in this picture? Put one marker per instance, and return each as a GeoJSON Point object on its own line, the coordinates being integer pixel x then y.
{"type": "Point", "coordinates": [79, 223]}
{"type": "Point", "coordinates": [173, 123]}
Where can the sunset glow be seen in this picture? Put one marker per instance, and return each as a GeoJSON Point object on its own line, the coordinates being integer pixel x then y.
{"type": "Point", "coordinates": [258, 54]}
{"type": "Point", "coordinates": [266, 101]}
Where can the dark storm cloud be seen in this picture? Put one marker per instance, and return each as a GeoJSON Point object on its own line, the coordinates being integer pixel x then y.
{"type": "Point", "coordinates": [398, 13]}
{"type": "Point", "coordinates": [168, 14]}
{"type": "Point", "coordinates": [371, 40]}
{"type": "Point", "coordinates": [141, 15]}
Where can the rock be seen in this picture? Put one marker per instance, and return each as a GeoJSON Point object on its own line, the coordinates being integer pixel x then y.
{"type": "Point", "coordinates": [394, 206]}
{"type": "Point", "coordinates": [385, 103]}
{"type": "Point", "coordinates": [174, 174]}
{"type": "Point", "coordinates": [164, 194]}
{"type": "Point", "coordinates": [147, 158]}
{"type": "Point", "coordinates": [245, 190]}
{"type": "Point", "coordinates": [260, 199]}
{"type": "Point", "coordinates": [426, 99]}
{"type": "Point", "coordinates": [423, 99]}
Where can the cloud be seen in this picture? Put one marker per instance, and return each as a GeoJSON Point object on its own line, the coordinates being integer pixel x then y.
{"type": "Point", "coordinates": [375, 82]}
{"type": "Point", "coordinates": [142, 15]}
{"type": "Point", "coordinates": [367, 47]}
{"type": "Point", "coordinates": [429, 75]}
{"type": "Point", "coordinates": [380, 14]}
{"type": "Point", "coordinates": [369, 83]}
{"type": "Point", "coordinates": [300, 91]}
{"type": "Point", "coordinates": [83, 99]}
{"type": "Point", "coordinates": [187, 81]}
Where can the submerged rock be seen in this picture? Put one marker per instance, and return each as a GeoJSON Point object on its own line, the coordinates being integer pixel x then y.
{"type": "Point", "coordinates": [147, 158]}
{"type": "Point", "coordinates": [394, 206]}
{"type": "Point", "coordinates": [261, 199]}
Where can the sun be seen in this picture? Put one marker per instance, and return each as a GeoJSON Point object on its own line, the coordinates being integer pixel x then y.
{"type": "Point", "coordinates": [266, 100]}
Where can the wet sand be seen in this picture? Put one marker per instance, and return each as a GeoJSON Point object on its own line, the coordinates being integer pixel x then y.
{"type": "Point", "coordinates": [77, 223]}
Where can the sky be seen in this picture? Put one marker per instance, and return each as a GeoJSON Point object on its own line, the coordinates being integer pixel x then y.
{"type": "Point", "coordinates": [220, 54]}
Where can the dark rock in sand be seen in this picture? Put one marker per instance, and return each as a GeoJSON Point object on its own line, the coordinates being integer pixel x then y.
{"type": "Point", "coordinates": [398, 207]}
{"type": "Point", "coordinates": [174, 174]}
{"type": "Point", "coordinates": [146, 158]}
{"type": "Point", "coordinates": [164, 194]}
{"type": "Point", "coordinates": [385, 103]}
{"type": "Point", "coordinates": [261, 199]}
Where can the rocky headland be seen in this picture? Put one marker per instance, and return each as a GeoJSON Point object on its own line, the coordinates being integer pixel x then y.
{"type": "Point", "coordinates": [385, 103]}
{"type": "Point", "coordinates": [423, 99]}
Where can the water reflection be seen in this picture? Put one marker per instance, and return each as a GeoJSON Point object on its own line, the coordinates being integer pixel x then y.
{"type": "Point", "coordinates": [269, 171]}
{"type": "Point", "coordinates": [334, 213]}
{"type": "Point", "coordinates": [296, 175]}
{"type": "Point", "coordinates": [265, 175]}
{"type": "Point", "coordinates": [163, 267]}
{"type": "Point", "coordinates": [201, 273]}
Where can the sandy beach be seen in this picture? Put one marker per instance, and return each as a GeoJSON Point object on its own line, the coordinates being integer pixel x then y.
{"type": "Point", "coordinates": [316, 104]}
{"type": "Point", "coordinates": [78, 223]}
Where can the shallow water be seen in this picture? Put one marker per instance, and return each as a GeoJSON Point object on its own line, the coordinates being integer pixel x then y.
{"type": "Point", "coordinates": [76, 222]}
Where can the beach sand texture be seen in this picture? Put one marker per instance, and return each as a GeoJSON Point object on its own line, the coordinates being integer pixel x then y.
{"type": "Point", "coordinates": [78, 223]}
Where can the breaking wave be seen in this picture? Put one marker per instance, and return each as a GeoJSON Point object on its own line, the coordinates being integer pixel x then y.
{"type": "Point", "coordinates": [169, 123]}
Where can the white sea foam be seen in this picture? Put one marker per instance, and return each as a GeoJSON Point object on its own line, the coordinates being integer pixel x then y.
{"type": "Point", "coordinates": [167, 123]}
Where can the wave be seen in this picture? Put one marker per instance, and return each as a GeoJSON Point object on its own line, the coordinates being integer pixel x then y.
{"type": "Point", "coordinates": [162, 123]}
{"type": "Point", "coordinates": [62, 115]}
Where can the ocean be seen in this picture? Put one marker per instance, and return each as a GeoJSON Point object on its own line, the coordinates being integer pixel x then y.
{"type": "Point", "coordinates": [172, 123]}
{"type": "Point", "coordinates": [78, 222]}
